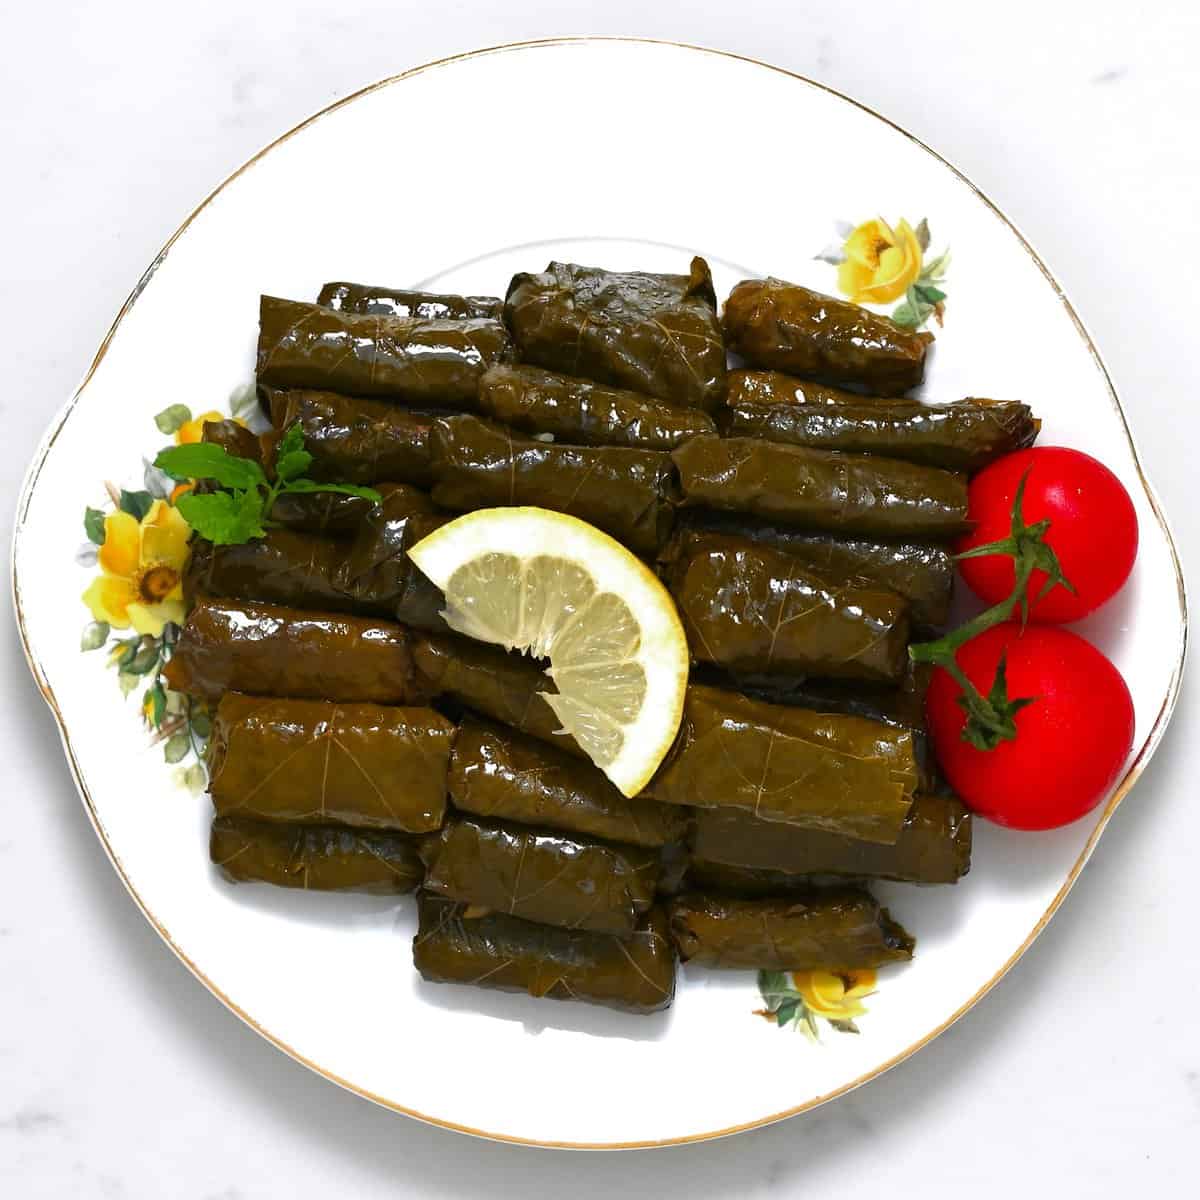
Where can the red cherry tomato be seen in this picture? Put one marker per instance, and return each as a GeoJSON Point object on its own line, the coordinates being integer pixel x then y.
{"type": "Point", "coordinates": [1071, 742]}
{"type": "Point", "coordinates": [1093, 529]}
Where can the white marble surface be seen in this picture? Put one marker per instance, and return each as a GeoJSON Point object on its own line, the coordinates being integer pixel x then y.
{"type": "Point", "coordinates": [121, 1077]}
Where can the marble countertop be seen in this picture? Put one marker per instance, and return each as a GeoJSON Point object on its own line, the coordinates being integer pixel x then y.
{"type": "Point", "coordinates": [121, 1077]}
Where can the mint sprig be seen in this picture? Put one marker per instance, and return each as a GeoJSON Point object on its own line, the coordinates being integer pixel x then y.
{"type": "Point", "coordinates": [241, 511]}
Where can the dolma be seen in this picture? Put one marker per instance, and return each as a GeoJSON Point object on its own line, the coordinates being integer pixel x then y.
{"type": "Point", "coordinates": [656, 334]}
{"type": "Point", "coordinates": [316, 512]}
{"type": "Point", "coordinates": [274, 651]}
{"type": "Point", "coordinates": [827, 929]}
{"type": "Point", "coordinates": [703, 876]}
{"type": "Point", "coordinates": [785, 327]}
{"type": "Point", "coordinates": [822, 489]}
{"type": "Point", "coordinates": [774, 387]}
{"type": "Point", "coordinates": [541, 875]}
{"type": "Point", "coordinates": [585, 414]}
{"type": "Point", "coordinates": [627, 493]}
{"type": "Point", "coordinates": [402, 302]}
{"type": "Point", "coordinates": [499, 774]}
{"type": "Point", "coordinates": [285, 567]}
{"type": "Point", "coordinates": [748, 607]}
{"type": "Point", "coordinates": [353, 440]}
{"type": "Point", "coordinates": [958, 437]}
{"type": "Point", "coordinates": [634, 974]}
{"type": "Point", "coordinates": [415, 361]}
{"type": "Point", "coordinates": [934, 845]}
{"type": "Point", "coordinates": [814, 770]}
{"type": "Point", "coordinates": [321, 858]}
{"type": "Point", "coordinates": [506, 687]}
{"type": "Point", "coordinates": [921, 572]}
{"type": "Point", "coordinates": [376, 572]}
{"type": "Point", "coordinates": [365, 765]}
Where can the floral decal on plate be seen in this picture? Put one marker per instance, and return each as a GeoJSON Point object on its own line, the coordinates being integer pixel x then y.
{"type": "Point", "coordinates": [799, 999]}
{"type": "Point", "coordinates": [140, 545]}
{"type": "Point", "coordinates": [878, 264]}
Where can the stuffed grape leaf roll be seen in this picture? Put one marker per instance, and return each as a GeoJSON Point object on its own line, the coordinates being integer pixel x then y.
{"type": "Point", "coordinates": [785, 327]}
{"type": "Point", "coordinates": [921, 572]}
{"type": "Point", "coordinates": [627, 493]}
{"type": "Point", "coordinates": [585, 414]}
{"type": "Point", "coordinates": [774, 387]}
{"type": "Point", "coordinates": [958, 437]}
{"type": "Point", "coordinates": [656, 334]}
{"type": "Point", "coordinates": [748, 607]}
{"type": "Point", "coordinates": [707, 877]}
{"type": "Point", "coordinates": [634, 974]}
{"type": "Point", "coordinates": [499, 774]}
{"type": "Point", "coordinates": [934, 845]}
{"type": "Point", "coordinates": [822, 489]}
{"type": "Point", "coordinates": [353, 440]}
{"type": "Point", "coordinates": [414, 361]}
{"type": "Point", "coordinates": [270, 650]}
{"type": "Point", "coordinates": [506, 687]}
{"type": "Point", "coordinates": [320, 858]}
{"type": "Point", "coordinates": [375, 570]}
{"type": "Point", "coordinates": [366, 765]}
{"type": "Point", "coordinates": [403, 302]}
{"type": "Point", "coordinates": [285, 567]}
{"type": "Point", "coordinates": [824, 771]}
{"type": "Point", "coordinates": [541, 875]}
{"type": "Point", "coordinates": [824, 929]}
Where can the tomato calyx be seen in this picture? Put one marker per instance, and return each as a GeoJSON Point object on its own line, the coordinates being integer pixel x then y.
{"type": "Point", "coordinates": [991, 719]}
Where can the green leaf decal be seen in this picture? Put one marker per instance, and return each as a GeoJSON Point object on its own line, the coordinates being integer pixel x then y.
{"type": "Point", "coordinates": [136, 504]}
{"type": "Point", "coordinates": [93, 525]}
{"type": "Point", "coordinates": [172, 417]}
{"type": "Point", "coordinates": [177, 747]}
{"type": "Point", "coordinates": [94, 636]}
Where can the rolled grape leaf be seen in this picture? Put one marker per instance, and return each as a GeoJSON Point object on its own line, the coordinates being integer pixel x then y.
{"type": "Point", "coordinates": [317, 761]}
{"type": "Point", "coordinates": [752, 882]}
{"type": "Point", "coordinates": [785, 327]}
{"type": "Point", "coordinates": [541, 875]}
{"type": "Point", "coordinates": [856, 494]}
{"type": "Point", "coordinates": [401, 302]}
{"type": "Point", "coordinates": [580, 413]}
{"type": "Point", "coordinates": [499, 774]}
{"type": "Point", "coordinates": [634, 974]}
{"type": "Point", "coordinates": [934, 845]}
{"type": "Point", "coordinates": [748, 607]}
{"type": "Point", "coordinates": [275, 651]}
{"type": "Point", "coordinates": [958, 437]}
{"type": "Point", "coordinates": [921, 572]}
{"type": "Point", "coordinates": [506, 687]}
{"type": "Point", "coordinates": [823, 771]}
{"type": "Point", "coordinates": [375, 570]}
{"type": "Point", "coordinates": [627, 493]}
{"type": "Point", "coordinates": [774, 387]}
{"type": "Point", "coordinates": [353, 440]}
{"type": "Point", "coordinates": [825, 929]}
{"type": "Point", "coordinates": [656, 334]}
{"type": "Point", "coordinates": [319, 858]}
{"type": "Point", "coordinates": [414, 361]}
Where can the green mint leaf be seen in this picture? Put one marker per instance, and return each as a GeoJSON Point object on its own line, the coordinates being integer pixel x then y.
{"type": "Point", "coordinates": [177, 748]}
{"type": "Point", "coordinates": [293, 464]}
{"type": "Point", "coordinates": [93, 525]}
{"type": "Point", "coordinates": [203, 460]}
{"type": "Point", "coordinates": [342, 489]}
{"type": "Point", "coordinates": [922, 232]}
{"type": "Point", "coordinates": [136, 504]}
{"type": "Point", "coordinates": [172, 417]}
{"type": "Point", "coordinates": [224, 518]}
{"type": "Point", "coordinates": [94, 636]}
{"type": "Point", "coordinates": [292, 440]}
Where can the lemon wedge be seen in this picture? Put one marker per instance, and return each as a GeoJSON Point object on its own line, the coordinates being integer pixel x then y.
{"type": "Point", "coordinates": [554, 586]}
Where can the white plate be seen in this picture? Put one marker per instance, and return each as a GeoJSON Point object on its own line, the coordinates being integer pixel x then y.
{"type": "Point", "coordinates": [625, 154]}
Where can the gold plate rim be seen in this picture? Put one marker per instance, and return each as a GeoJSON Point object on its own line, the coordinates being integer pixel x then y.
{"type": "Point", "coordinates": [1132, 774]}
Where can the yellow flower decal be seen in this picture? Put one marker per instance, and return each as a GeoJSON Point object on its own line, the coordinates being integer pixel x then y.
{"type": "Point", "coordinates": [880, 262]}
{"type": "Point", "coordinates": [836, 996]}
{"type": "Point", "coordinates": [141, 563]}
{"type": "Point", "coordinates": [193, 430]}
